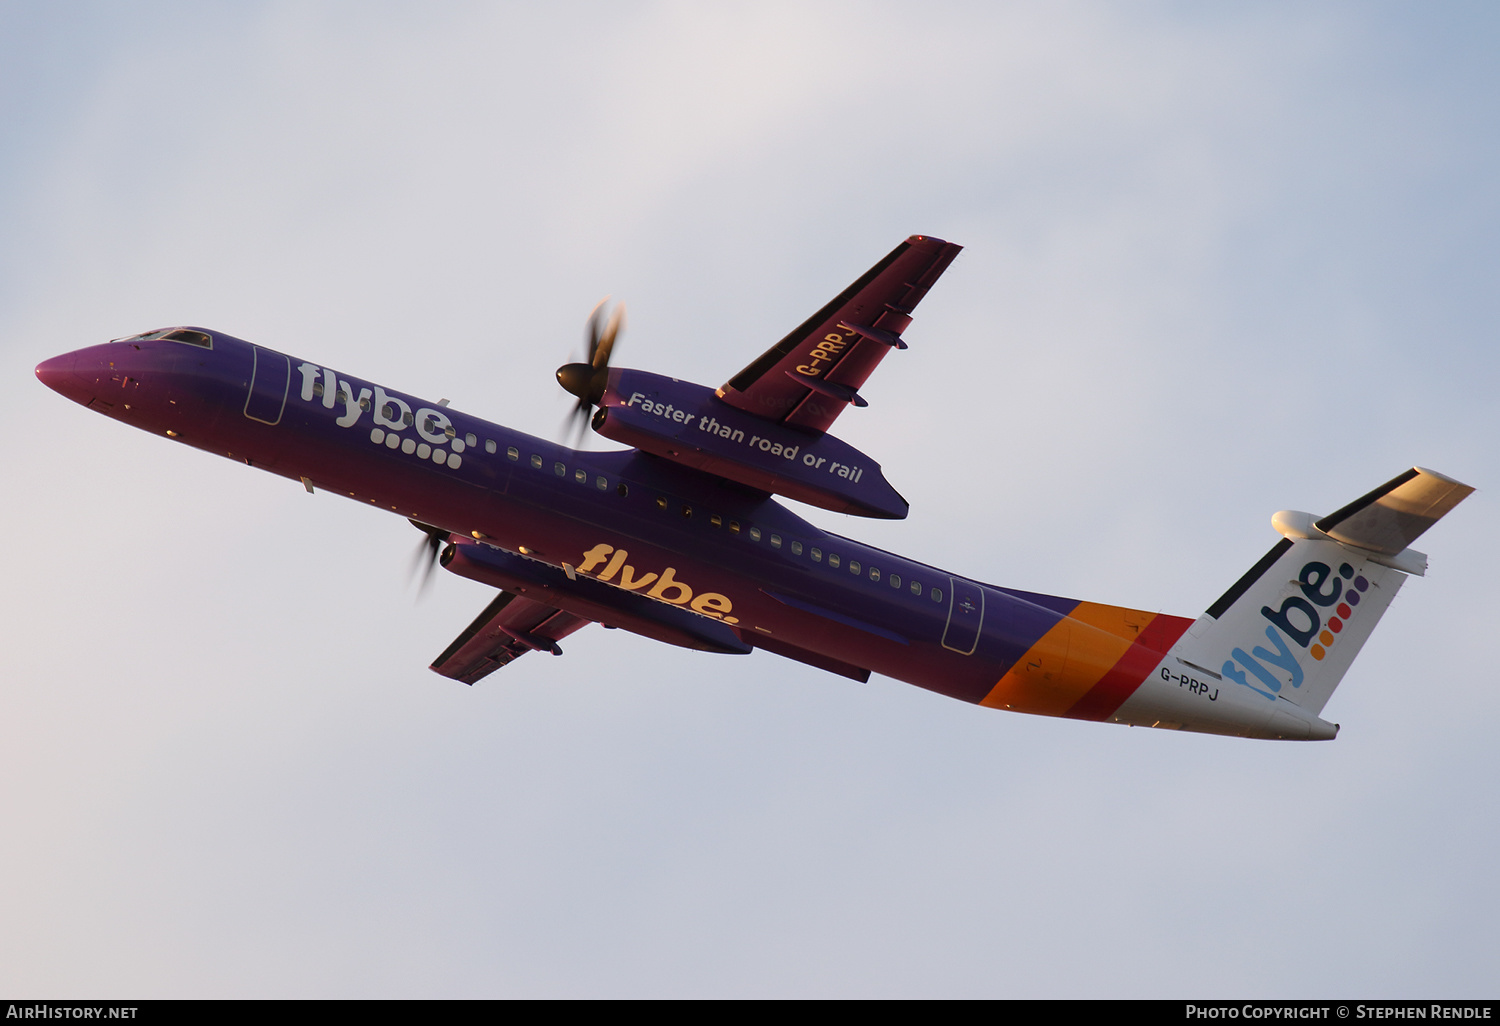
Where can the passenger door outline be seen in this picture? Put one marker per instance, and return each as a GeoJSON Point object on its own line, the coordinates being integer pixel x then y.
{"type": "Point", "coordinates": [965, 616]}
{"type": "Point", "coordinates": [270, 381]}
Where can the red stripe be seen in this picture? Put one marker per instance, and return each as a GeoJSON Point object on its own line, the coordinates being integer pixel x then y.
{"type": "Point", "coordinates": [1125, 676]}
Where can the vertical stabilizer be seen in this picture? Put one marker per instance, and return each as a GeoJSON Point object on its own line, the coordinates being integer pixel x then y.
{"type": "Point", "coordinates": [1289, 629]}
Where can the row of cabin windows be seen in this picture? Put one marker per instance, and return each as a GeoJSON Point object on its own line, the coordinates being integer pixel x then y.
{"type": "Point", "coordinates": [602, 484]}
{"type": "Point", "coordinates": [833, 560]}
{"type": "Point", "coordinates": [560, 469]}
{"type": "Point", "coordinates": [814, 553]}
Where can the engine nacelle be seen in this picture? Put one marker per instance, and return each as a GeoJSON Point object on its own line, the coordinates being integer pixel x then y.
{"type": "Point", "coordinates": [689, 424]}
{"type": "Point", "coordinates": [590, 599]}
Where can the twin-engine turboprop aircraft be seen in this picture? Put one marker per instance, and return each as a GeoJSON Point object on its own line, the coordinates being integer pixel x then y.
{"type": "Point", "coordinates": [679, 538]}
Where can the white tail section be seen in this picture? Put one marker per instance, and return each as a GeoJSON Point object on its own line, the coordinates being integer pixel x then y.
{"type": "Point", "coordinates": [1290, 628]}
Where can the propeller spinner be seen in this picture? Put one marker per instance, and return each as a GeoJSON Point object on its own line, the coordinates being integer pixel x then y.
{"type": "Point", "coordinates": [588, 380]}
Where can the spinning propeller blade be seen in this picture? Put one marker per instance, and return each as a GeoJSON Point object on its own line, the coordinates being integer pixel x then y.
{"type": "Point", "coordinates": [588, 380]}
{"type": "Point", "coordinates": [425, 559]}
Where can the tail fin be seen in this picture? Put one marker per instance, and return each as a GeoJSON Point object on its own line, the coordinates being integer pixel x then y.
{"type": "Point", "coordinates": [1293, 624]}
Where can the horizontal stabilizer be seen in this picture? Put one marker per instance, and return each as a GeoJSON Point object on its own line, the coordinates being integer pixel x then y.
{"type": "Point", "coordinates": [1394, 515]}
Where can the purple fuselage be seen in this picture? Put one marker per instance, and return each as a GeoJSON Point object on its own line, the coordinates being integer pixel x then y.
{"type": "Point", "coordinates": [778, 581]}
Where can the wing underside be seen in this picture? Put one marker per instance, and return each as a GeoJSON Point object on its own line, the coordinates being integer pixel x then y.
{"type": "Point", "coordinates": [808, 378]}
{"type": "Point", "coordinates": [508, 628]}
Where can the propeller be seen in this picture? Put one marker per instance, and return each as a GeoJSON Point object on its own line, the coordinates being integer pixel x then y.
{"type": "Point", "coordinates": [425, 559]}
{"type": "Point", "coordinates": [588, 380]}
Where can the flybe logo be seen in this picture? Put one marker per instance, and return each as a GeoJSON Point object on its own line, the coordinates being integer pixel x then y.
{"type": "Point", "coordinates": [435, 437]}
{"type": "Point", "coordinates": [664, 586]}
{"type": "Point", "coordinates": [1300, 621]}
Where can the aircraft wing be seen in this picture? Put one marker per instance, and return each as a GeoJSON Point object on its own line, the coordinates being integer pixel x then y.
{"type": "Point", "coordinates": [808, 378]}
{"type": "Point", "coordinates": [509, 627]}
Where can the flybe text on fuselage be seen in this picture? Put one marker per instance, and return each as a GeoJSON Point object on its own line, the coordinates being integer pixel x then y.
{"type": "Point", "coordinates": [609, 561]}
{"type": "Point", "coordinates": [390, 416]}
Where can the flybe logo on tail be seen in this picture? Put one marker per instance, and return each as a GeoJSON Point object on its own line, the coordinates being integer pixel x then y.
{"type": "Point", "coordinates": [1300, 621]}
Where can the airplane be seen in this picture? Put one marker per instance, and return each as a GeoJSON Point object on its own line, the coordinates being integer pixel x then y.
{"type": "Point", "coordinates": [681, 538]}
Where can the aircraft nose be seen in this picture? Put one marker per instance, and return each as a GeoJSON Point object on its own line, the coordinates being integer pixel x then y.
{"type": "Point", "coordinates": [60, 375]}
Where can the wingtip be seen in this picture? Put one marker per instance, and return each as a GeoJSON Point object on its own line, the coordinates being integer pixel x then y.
{"type": "Point", "coordinates": [1445, 479]}
{"type": "Point", "coordinates": [932, 242]}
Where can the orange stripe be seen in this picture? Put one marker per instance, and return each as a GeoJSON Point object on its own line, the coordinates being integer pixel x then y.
{"type": "Point", "coordinates": [1125, 676]}
{"type": "Point", "coordinates": [1069, 660]}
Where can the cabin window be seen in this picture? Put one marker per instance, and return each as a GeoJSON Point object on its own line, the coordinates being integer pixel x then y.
{"type": "Point", "coordinates": [755, 534]}
{"type": "Point", "coordinates": [937, 596]}
{"type": "Point", "coordinates": [833, 559]}
{"type": "Point", "coordinates": [775, 541]}
{"type": "Point", "coordinates": [581, 476]}
{"type": "Point", "coordinates": [854, 567]}
{"type": "Point", "coordinates": [536, 461]}
{"type": "Point", "coordinates": [318, 388]}
{"type": "Point", "coordinates": [559, 469]}
{"type": "Point", "coordinates": [470, 439]}
{"type": "Point", "coordinates": [511, 452]}
{"type": "Point", "coordinates": [716, 520]}
{"type": "Point", "coordinates": [364, 403]}
{"type": "Point", "coordinates": [796, 548]}
{"type": "Point", "coordinates": [341, 396]}
{"type": "Point", "coordinates": [874, 574]}
{"type": "Point", "coordinates": [734, 527]}
{"type": "Point", "coordinates": [817, 555]}
{"type": "Point", "coordinates": [624, 491]}
{"type": "Point", "coordinates": [916, 587]}
{"type": "Point", "coordinates": [895, 580]}
{"type": "Point", "coordinates": [661, 502]}
{"type": "Point", "coordinates": [408, 418]}
{"type": "Point", "coordinates": [602, 483]}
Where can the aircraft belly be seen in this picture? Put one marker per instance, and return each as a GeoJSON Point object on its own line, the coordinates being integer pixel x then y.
{"type": "Point", "coordinates": [1174, 697]}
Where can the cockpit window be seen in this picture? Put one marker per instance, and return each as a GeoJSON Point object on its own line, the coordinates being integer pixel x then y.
{"type": "Point", "coordinates": [191, 336]}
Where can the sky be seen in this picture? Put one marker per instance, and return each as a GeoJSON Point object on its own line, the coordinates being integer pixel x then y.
{"type": "Point", "coordinates": [1220, 260]}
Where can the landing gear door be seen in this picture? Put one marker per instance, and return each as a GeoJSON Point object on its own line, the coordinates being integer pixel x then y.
{"type": "Point", "coordinates": [269, 382]}
{"type": "Point", "coordinates": [965, 616]}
